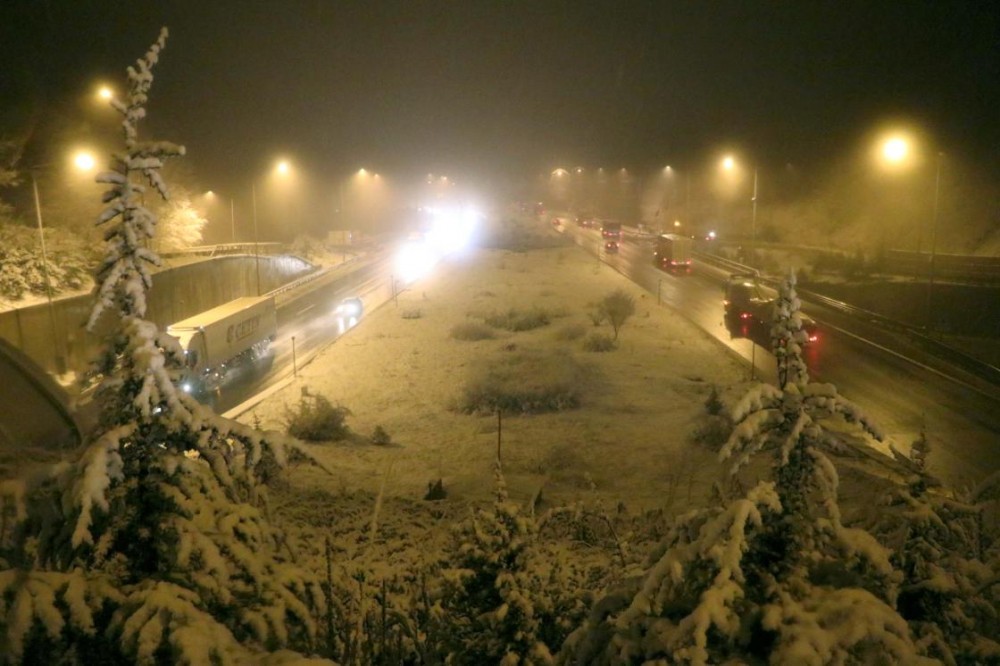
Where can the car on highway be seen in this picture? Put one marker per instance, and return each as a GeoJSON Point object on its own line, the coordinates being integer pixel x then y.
{"type": "Point", "coordinates": [348, 312]}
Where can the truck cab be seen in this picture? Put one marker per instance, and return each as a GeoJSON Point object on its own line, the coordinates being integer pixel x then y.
{"type": "Point", "coordinates": [749, 309]}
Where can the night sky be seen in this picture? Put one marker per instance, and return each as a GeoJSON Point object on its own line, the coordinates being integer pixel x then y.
{"type": "Point", "coordinates": [482, 87]}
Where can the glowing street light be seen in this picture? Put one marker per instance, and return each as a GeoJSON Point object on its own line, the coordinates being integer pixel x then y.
{"type": "Point", "coordinates": [728, 163]}
{"type": "Point", "coordinates": [212, 198]}
{"type": "Point", "coordinates": [281, 168]}
{"type": "Point", "coordinates": [84, 160]}
{"type": "Point", "coordinates": [895, 149]}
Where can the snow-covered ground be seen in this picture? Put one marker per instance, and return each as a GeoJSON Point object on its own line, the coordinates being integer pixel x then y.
{"type": "Point", "coordinates": [630, 445]}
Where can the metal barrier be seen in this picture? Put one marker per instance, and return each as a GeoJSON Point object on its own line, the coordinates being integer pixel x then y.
{"type": "Point", "coordinates": [937, 348]}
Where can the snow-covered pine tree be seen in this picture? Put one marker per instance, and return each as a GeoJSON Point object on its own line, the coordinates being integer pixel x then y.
{"type": "Point", "coordinates": [772, 576]}
{"type": "Point", "coordinates": [152, 546]}
{"type": "Point", "coordinates": [949, 593]}
{"type": "Point", "coordinates": [787, 336]}
{"type": "Point", "coordinates": [504, 600]}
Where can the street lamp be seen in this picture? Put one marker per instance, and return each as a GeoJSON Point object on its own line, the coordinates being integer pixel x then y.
{"type": "Point", "coordinates": [896, 151]}
{"type": "Point", "coordinates": [83, 161]}
{"type": "Point", "coordinates": [211, 197]}
{"type": "Point", "coordinates": [281, 168]}
{"type": "Point", "coordinates": [728, 164]}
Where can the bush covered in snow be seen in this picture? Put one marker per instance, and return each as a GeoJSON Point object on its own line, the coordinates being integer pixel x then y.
{"type": "Point", "coordinates": [472, 330]}
{"type": "Point", "coordinates": [316, 419]}
{"type": "Point", "coordinates": [950, 562]}
{"type": "Point", "coordinates": [599, 342]}
{"type": "Point", "coordinates": [523, 383]}
{"type": "Point", "coordinates": [506, 601]}
{"type": "Point", "coordinates": [518, 320]}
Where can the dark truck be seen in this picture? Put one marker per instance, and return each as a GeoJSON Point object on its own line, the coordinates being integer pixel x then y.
{"type": "Point", "coordinates": [672, 252]}
{"type": "Point", "coordinates": [749, 310]}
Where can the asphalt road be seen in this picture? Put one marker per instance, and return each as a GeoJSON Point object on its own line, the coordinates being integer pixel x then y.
{"type": "Point", "coordinates": [306, 322]}
{"type": "Point", "coordinates": [961, 421]}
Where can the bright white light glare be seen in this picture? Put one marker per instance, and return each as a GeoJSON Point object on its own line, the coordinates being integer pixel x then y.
{"type": "Point", "coordinates": [711, 235]}
{"type": "Point", "coordinates": [105, 93]}
{"type": "Point", "coordinates": [728, 163]}
{"type": "Point", "coordinates": [895, 149]}
{"type": "Point", "coordinates": [84, 161]}
{"type": "Point", "coordinates": [451, 229]}
{"type": "Point", "coordinates": [414, 261]}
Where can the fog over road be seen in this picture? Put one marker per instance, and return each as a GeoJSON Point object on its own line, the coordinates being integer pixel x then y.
{"type": "Point", "coordinates": [904, 397]}
{"type": "Point", "coordinates": [961, 421]}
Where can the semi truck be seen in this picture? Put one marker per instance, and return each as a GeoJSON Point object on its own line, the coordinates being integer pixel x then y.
{"type": "Point", "coordinates": [672, 252]}
{"type": "Point", "coordinates": [216, 339]}
{"type": "Point", "coordinates": [749, 308]}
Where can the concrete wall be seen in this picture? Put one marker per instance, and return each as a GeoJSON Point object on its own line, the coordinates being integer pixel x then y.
{"type": "Point", "coordinates": [176, 293]}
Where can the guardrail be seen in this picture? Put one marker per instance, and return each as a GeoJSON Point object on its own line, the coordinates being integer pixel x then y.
{"type": "Point", "coordinates": [226, 248]}
{"type": "Point", "coordinates": [937, 348]}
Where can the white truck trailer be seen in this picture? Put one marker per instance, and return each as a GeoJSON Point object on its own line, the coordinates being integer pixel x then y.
{"type": "Point", "coordinates": [672, 252]}
{"type": "Point", "coordinates": [215, 339]}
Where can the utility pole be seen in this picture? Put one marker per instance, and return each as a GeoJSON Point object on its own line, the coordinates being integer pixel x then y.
{"type": "Point", "coordinates": [934, 221]}
{"type": "Point", "coordinates": [256, 245]}
{"type": "Point", "coordinates": [60, 361]}
{"type": "Point", "coordinates": [753, 223]}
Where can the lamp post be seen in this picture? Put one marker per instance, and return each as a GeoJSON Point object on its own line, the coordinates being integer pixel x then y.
{"type": "Point", "coordinates": [211, 196]}
{"type": "Point", "coordinates": [895, 151]}
{"type": "Point", "coordinates": [256, 244]}
{"type": "Point", "coordinates": [753, 222]}
{"type": "Point", "coordinates": [729, 164]}
{"type": "Point", "coordinates": [282, 169]}
{"type": "Point", "coordinates": [934, 221]}
{"type": "Point", "coordinates": [59, 358]}
{"type": "Point", "coordinates": [83, 161]}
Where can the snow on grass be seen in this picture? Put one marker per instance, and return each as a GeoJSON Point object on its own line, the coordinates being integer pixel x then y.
{"type": "Point", "coordinates": [638, 404]}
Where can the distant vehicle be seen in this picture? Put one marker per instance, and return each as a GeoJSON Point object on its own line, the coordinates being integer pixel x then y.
{"type": "Point", "coordinates": [217, 339]}
{"type": "Point", "coordinates": [349, 312]}
{"type": "Point", "coordinates": [611, 246]}
{"type": "Point", "coordinates": [612, 230]}
{"type": "Point", "coordinates": [539, 209]}
{"type": "Point", "coordinates": [672, 252]}
{"type": "Point", "coordinates": [585, 220]}
{"type": "Point", "coordinates": [749, 307]}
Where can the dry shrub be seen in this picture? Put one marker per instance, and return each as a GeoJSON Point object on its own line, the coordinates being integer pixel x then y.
{"type": "Point", "coordinates": [570, 332]}
{"type": "Point", "coordinates": [599, 342]}
{"type": "Point", "coordinates": [472, 330]}
{"type": "Point", "coordinates": [519, 320]}
{"type": "Point", "coordinates": [524, 383]}
{"type": "Point", "coordinates": [315, 419]}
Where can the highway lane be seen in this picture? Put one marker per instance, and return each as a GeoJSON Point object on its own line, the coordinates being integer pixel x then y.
{"type": "Point", "coordinates": [961, 421]}
{"type": "Point", "coordinates": [306, 322]}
